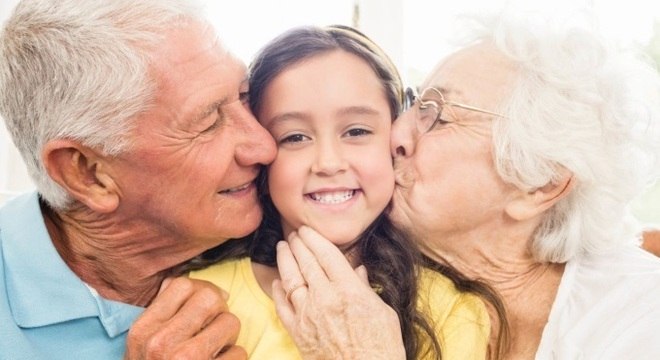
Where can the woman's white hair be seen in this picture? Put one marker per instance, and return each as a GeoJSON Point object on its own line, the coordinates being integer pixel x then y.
{"type": "Point", "coordinates": [583, 105]}
{"type": "Point", "coordinates": [79, 69]}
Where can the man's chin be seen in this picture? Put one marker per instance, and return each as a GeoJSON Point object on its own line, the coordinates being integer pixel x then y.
{"type": "Point", "coordinates": [246, 224]}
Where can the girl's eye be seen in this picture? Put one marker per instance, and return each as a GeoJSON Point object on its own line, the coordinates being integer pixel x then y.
{"type": "Point", "coordinates": [294, 138]}
{"type": "Point", "coordinates": [358, 132]}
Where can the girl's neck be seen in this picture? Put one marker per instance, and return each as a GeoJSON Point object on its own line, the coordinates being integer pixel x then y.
{"type": "Point", "coordinates": [265, 275]}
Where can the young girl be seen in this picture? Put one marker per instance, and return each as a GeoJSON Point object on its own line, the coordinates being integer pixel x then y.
{"type": "Point", "coordinates": [328, 96]}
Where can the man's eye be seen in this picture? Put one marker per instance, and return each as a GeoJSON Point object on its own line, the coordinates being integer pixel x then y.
{"type": "Point", "coordinates": [294, 138]}
{"type": "Point", "coordinates": [213, 126]}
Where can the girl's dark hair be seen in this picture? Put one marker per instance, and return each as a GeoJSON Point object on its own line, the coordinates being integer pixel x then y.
{"type": "Point", "coordinates": [390, 257]}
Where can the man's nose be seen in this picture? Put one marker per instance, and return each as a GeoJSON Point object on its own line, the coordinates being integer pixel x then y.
{"type": "Point", "coordinates": [258, 146]}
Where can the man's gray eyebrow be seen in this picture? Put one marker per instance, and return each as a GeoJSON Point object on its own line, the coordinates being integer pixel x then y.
{"type": "Point", "coordinates": [204, 112]}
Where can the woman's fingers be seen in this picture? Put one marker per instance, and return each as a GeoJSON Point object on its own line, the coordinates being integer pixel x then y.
{"type": "Point", "coordinates": [362, 274]}
{"type": "Point", "coordinates": [326, 255]}
{"type": "Point", "coordinates": [287, 264]}
{"type": "Point", "coordinates": [308, 262]}
{"type": "Point", "coordinates": [337, 313]}
{"type": "Point", "coordinates": [283, 307]}
{"type": "Point", "coordinates": [293, 283]}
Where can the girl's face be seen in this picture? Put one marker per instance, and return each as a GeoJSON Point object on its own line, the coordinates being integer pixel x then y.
{"type": "Point", "coordinates": [331, 121]}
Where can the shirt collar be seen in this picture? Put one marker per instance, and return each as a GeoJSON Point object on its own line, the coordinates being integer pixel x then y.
{"type": "Point", "coordinates": [42, 289]}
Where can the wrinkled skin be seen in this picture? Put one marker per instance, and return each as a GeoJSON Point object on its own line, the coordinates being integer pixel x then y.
{"type": "Point", "coordinates": [336, 295]}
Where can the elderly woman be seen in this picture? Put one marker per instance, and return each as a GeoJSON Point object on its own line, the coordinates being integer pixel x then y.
{"type": "Point", "coordinates": [516, 164]}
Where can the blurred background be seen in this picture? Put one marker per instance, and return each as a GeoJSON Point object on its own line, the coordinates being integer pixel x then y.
{"type": "Point", "coordinates": [415, 33]}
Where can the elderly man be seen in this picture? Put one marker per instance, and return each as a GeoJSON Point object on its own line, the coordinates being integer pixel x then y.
{"type": "Point", "coordinates": [131, 118]}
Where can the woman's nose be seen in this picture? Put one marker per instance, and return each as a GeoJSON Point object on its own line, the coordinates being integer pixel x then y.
{"type": "Point", "coordinates": [402, 141]}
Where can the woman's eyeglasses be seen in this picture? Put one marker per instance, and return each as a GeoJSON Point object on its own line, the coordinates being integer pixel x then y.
{"type": "Point", "coordinates": [431, 106]}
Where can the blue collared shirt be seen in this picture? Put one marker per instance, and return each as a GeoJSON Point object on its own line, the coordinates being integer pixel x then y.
{"type": "Point", "coordinates": [46, 311]}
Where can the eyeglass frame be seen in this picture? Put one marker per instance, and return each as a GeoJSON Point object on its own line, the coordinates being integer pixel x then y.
{"type": "Point", "coordinates": [410, 98]}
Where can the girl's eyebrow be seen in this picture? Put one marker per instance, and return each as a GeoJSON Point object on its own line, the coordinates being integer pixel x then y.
{"type": "Point", "coordinates": [358, 110]}
{"type": "Point", "coordinates": [301, 116]}
{"type": "Point", "coordinates": [289, 116]}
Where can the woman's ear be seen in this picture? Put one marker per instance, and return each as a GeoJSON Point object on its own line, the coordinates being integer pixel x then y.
{"type": "Point", "coordinates": [530, 204]}
{"type": "Point", "coordinates": [81, 172]}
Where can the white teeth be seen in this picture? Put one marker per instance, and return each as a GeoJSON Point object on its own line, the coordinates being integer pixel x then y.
{"type": "Point", "coordinates": [334, 197]}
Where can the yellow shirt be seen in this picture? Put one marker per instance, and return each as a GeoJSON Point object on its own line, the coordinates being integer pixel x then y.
{"type": "Point", "coordinates": [461, 321]}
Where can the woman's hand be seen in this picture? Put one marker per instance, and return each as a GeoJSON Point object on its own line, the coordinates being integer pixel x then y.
{"type": "Point", "coordinates": [328, 307]}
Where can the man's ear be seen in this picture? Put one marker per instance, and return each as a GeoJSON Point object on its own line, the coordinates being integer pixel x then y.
{"type": "Point", "coordinates": [527, 205]}
{"type": "Point", "coordinates": [81, 172]}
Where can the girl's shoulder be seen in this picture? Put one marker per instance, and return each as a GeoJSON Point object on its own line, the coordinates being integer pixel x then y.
{"type": "Point", "coordinates": [439, 298]}
{"type": "Point", "coordinates": [223, 273]}
{"type": "Point", "coordinates": [460, 319]}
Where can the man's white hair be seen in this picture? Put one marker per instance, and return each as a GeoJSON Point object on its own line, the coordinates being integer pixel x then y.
{"type": "Point", "coordinates": [79, 69]}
